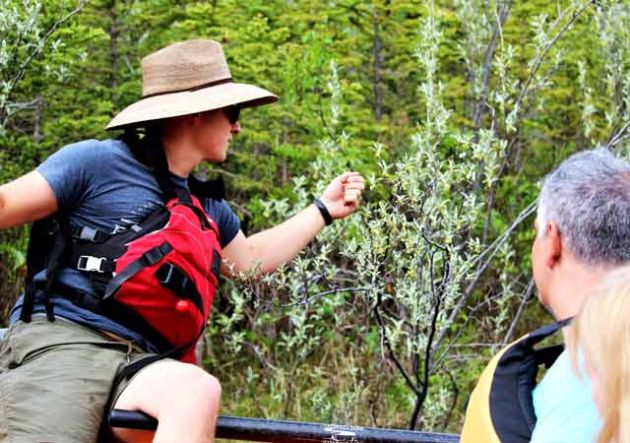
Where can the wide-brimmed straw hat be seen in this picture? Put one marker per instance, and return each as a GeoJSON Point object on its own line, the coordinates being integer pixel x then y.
{"type": "Point", "coordinates": [186, 78]}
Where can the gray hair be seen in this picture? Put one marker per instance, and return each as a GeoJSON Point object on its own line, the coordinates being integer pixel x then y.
{"type": "Point", "coordinates": [588, 197]}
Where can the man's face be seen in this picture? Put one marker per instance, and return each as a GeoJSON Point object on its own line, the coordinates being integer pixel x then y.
{"type": "Point", "coordinates": [213, 134]}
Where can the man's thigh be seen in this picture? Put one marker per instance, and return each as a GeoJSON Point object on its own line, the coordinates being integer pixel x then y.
{"type": "Point", "coordinates": [163, 388]}
{"type": "Point", "coordinates": [55, 382]}
{"type": "Point", "coordinates": [139, 393]}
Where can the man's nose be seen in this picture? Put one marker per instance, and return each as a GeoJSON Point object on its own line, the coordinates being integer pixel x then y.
{"type": "Point", "coordinates": [236, 128]}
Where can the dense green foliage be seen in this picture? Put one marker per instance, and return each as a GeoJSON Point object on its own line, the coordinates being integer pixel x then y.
{"type": "Point", "coordinates": [452, 109]}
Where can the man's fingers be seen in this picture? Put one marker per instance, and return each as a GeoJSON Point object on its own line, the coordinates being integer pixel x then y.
{"type": "Point", "coordinates": [352, 195]}
{"type": "Point", "coordinates": [349, 176]}
{"type": "Point", "coordinates": [353, 185]}
{"type": "Point", "coordinates": [360, 185]}
{"type": "Point", "coordinates": [352, 178]}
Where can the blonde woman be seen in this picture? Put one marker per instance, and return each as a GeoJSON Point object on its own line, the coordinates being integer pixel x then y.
{"type": "Point", "coordinates": [601, 331]}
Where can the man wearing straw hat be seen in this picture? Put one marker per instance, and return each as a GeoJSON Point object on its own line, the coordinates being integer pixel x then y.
{"type": "Point", "coordinates": [66, 359]}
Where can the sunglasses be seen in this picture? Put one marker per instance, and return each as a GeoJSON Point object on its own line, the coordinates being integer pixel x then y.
{"type": "Point", "coordinates": [232, 113]}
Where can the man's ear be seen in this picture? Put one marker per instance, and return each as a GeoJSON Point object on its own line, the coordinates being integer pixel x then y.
{"type": "Point", "coordinates": [553, 245]}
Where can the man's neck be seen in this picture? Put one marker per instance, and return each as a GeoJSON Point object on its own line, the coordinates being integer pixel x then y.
{"type": "Point", "coordinates": [572, 287]}
{"type": "Point", "coordinates": [181, 161]}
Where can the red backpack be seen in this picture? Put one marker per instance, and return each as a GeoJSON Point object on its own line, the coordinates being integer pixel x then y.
{"type": "Point", "coordinates": [157, 278]}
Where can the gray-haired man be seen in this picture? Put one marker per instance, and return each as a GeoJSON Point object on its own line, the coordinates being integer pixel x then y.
{"type": "Point", "coordinates": [583, 232]}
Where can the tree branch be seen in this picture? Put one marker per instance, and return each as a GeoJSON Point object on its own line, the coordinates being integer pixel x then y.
{"type": "Point", "coordinates": [378, 93]}
{"type": "Point", "coordinates": [455, 386]}
{"type": "Point", "coordinates": [390, 350]}
{"type": "Point", "coordinates": [38, 49]}
{"type": "Point", "coordinates": [487, 65]}
{"type": "Point", "coordinates": [619, 136]}
{"type": "Point", "coordinates": [542, 56]}
{"type": "Point", "coordinates": [519, 312]}
{"type": "Point", "coordinates": [437, 293]}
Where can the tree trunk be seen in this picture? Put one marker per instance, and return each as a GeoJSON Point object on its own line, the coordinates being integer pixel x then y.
{"type": "Point", "coordinates": [113, 50]}
{"type": "Point", "coordinates": [378, 93]}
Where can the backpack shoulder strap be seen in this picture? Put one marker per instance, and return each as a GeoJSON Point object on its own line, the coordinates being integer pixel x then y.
{"type": "Point", "coordinates": [511, 401]}
{"type": "Point", "coordinates": [47, 245]}
{"type": "Point", "coordinates": [150, 152]}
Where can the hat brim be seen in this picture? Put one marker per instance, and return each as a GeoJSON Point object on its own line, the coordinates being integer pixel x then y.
{"type": "Point", "coordinates": [190, 102]}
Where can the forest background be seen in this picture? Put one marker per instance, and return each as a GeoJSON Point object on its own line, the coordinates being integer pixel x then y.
{"type": "Point", "coordinates": [454, 110]}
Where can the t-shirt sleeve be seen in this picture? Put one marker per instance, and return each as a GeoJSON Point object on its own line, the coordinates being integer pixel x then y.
{"type": "Point", "coordinates": [226, 219]}
{"type": "Point", "coordinates": [67, 172]}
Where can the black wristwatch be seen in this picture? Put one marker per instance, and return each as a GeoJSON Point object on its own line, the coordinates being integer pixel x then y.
{"type": "Point", "coordinates": [323, 211]}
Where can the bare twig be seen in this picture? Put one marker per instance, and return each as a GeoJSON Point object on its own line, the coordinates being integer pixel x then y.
{"type": "Point", "coordinates": [19, 106]}
{"type": "Point", "coordinates": [521, 308]}
{"type": "Point", "coordinates": [619, 136]}
{"type": "Point", "coordinates": [446, 349]}
{"type": "Point", "coordinates": [319, 295]}
{"type": "Point", "coordinates": [487, 301]}
{"type": "Point", "coordinates": [455, 386]}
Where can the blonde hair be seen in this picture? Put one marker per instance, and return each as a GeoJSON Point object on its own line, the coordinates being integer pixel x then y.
{"type": "Point", "coordinates": [602, 332]}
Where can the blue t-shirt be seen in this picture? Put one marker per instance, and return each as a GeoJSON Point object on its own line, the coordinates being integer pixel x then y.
{"type": "Point", "coordinates": [101, 185]}
{"type": "Point", "coordinates": [565, 410]}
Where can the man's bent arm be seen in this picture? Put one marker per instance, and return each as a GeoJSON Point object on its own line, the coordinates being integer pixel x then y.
{"type": "Point", "coordinates": [26, 199]}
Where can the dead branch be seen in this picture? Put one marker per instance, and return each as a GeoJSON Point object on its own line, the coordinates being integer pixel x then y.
{"type": "Point", "coordinates": [519, 312]}
{"type": "Point", "coordinates": [622, 134]}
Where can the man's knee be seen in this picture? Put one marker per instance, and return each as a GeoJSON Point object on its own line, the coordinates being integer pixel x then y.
{"type": "Point", "coordinates": [201, 387]}
{"type": "Point", "coordinates": [170, 385]}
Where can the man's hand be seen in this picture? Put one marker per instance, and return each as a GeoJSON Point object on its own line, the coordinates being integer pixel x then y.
{"type": "Point", "coordinates": [343, 194]}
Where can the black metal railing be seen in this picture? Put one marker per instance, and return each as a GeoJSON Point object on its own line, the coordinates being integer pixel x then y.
{"type": "Point", "coordinates": [257, 429]}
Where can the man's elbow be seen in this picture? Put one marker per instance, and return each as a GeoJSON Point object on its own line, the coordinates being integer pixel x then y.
{"type": "Point", "coordinates": [248, 267]}
{"type": "Point", "coordinates": [3, 206]}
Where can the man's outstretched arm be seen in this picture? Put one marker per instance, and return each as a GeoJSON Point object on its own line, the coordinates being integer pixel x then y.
{"type": "Point", "coordinates": [267, 250]}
